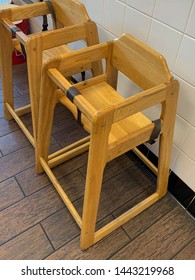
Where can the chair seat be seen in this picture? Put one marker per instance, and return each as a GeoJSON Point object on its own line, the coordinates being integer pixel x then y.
{"type": "Point", "coordinates": [101, 96]}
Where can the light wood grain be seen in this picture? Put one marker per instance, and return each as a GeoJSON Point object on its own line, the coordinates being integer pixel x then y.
{"type": "Point", "coordinates": [116, 124]}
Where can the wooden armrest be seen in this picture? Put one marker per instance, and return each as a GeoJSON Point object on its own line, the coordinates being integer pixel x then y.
{"type": "Point", "coordinates": [141, 101]}
{"type": "Point", "coordinates": [16, 31]}
{"type": "Point", "coordinates": [57, 37]}
{"type": "Point", "coordinates": [80, 102]}
{"type": "Point", "coordinates": [82, 57]}
{"type": "Point", "coordinates": [29, 11]}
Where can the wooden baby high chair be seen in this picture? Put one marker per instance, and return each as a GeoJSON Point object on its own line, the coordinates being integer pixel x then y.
{"type": "Point", "coordinates": [116, 125]}
{"type": "Point", "coordinates": [72, 22]}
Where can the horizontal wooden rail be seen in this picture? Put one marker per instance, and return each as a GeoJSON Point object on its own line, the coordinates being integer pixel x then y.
{"type": "Point", "coordinates": [61, 192]}
{"type": "Point", "coordinates": [21, 125]}
{"type": "Point", "coordinates": [104, 231]}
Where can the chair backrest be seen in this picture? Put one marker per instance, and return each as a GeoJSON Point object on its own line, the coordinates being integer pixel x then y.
{"type": "Point", "coordinates": [141, 64]}
{"type": "Point", "coordinates": [69, 12]}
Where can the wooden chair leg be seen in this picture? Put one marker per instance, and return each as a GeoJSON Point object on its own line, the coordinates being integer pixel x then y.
{"type": "Point", "coordinates": [166, 138]}
{"type": "Point", "coordinates": [34, 51]}
{"type": "Point", "coordinates": [46, 112]}
{"type": "Point", "coordinates": [95, 169]}
{"type": "Point", "coordinates": [6, 73]}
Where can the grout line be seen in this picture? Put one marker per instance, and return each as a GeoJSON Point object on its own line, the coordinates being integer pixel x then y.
{"type": "Point", "coordinates": [20, 187]}
{"type": "Point", "coordinates": [50, 242]}
{"type": "Point", "coordinates": [173, 257]}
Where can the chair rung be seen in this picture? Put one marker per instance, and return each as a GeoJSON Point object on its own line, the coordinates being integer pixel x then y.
{"type": "Point", "coordinates": [69, 152]}
{"type": "Point", "coordinates": [146, 160]}
{"type": "Point", "coordinates": [104, 231]}
{"type": "Point", "coordinates": [21, 124]}
{"type": "Point", "coordinates": [61, 193]}
{"type": "Point", "coordinates": [23, 110]}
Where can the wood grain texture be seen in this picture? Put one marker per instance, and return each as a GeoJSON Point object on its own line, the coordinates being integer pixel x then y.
{"type": "Point", "coordinates": [28, 212]}
{"type": "Point", "coordinates": [16, 162]}
{"type": "Point", "coordinates": [162, 240]}
{"type": "Point", "coordinates": [187, 253]}
{"type": "Point", "coordinates": [162, 231]}
{"type": "Point", "coordinates": [100, 251]}
{"type": "Point", "coordinates": [62, 223]}
{"type": "Point", "coordinates": [13, 142]}
{"type": "Point", "coordinates": [10, 193]}
{"type": "Point", "coordinates": [31, 182]}
{"type": "Point", "coordinates": [30, 245]}
{"type": "Point", "coordinates": [150, 216]}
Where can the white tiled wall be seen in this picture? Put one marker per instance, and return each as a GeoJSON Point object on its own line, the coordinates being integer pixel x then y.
{"type": "Point", "coordinates": [169, 27]}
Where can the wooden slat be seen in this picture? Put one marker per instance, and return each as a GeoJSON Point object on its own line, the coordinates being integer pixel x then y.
{"type": "Point", "coordinates": [19, 34]}
{"type": "Point", "coordinates": [69, 148]}
{"type": "Point", "coordinates": [68, 155]}
{"type": "Point", "coordinates": [29, 11]}
{"type": "Point", "coordinates": [125, 217]}
{"type": "Point", "coordinates": [23, 110]}
{"type": "Point", "coordinates": [82, 57]}
{"type": "Point", "coordinates": [62, 36]}
{"type": "Point", "coordinates": [61, 192]}
{"type": "Point", "coordinates": [140, 102]}
{"type": "Point", "coordinates": [146, 160]}
{"type": "Point", "coordinates": [64, 84]}
{"type": "Point", "coordinates": [85, 107]}
{"type": "Point", "coordinates": [21, 125]}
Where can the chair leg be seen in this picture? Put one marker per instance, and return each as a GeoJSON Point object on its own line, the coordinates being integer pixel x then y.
{"type": "Point", "coordinates": [166, 138]}
{"type": "Point", "coordinates": [95, 169]}
{"type": "Point", "coordinates": [46, 112]}
{"type": "Point", "coordinates": [6, 67]}
{"type": "Point", "coordinates": [34, 51]}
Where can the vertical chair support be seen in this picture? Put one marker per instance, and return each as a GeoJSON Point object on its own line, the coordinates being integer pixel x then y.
{"type": "Point", "coordinates": [6, 70]}
{"type": "Point", "coordinates": [169, 107]}
{"type": "Point", "coordinates": [46, 119]}
{"type": "Point", "coordinates": [34, 65]}
{"type": "Point", "coordinates": [101, 127]}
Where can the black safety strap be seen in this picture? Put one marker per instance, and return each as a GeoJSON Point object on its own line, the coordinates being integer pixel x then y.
{"type": "Point", "coordinates": [71, 93]}
{"type": "Point", "coordinates": [83, 75]}
{"type": "Point", "coordinates": [52, 10]}
{"type": "Point", "coordinates": [14, 30]}
{"type": "Point", "coordinates": [156, 131]}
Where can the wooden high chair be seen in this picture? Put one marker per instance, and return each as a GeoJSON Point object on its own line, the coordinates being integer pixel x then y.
{"type": "Point", "coordinates": [116, 124]}
{"type": "Point", "coordinates": [73, 23]}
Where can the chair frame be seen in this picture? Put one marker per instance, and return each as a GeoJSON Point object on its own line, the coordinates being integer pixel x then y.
{"type": "Point", "coordinates": [35, 45]}
{"type": "Point", "coordinates": [146, 68]}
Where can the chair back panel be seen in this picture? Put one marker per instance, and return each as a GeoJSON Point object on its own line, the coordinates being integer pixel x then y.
{"type": "Point", "coordinates": [69, 12]}
{"type": "Point", "coordinates": [139, 63]}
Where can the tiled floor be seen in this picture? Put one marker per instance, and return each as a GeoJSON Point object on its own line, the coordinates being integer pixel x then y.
{"type": "Point", "coordinates": [35, 224]}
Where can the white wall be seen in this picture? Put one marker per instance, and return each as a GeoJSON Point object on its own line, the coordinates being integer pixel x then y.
{"type": "Point", "coordinates": [168, 27]}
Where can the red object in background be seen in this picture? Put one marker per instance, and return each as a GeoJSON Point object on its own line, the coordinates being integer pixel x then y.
{"type": "Point", "coordinates": [17, 57]}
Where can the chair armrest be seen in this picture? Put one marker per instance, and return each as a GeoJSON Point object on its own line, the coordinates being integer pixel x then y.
{"type": "Point", "coordinates": [78, 99]}
{"type": "Point", "coordinates": [142, 101]}
{"type": "Point", "coordinates": [27, 11]}
{"type": "Point", "coordinates": [62, 36]}
{"type": "Point", "coordinates": [16, 31]}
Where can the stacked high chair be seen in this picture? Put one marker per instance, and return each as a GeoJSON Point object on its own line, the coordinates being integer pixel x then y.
{"type": "Point", "coordinates": [71, 23]}
{"type": "Point", "coordinates": [116, 125]}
